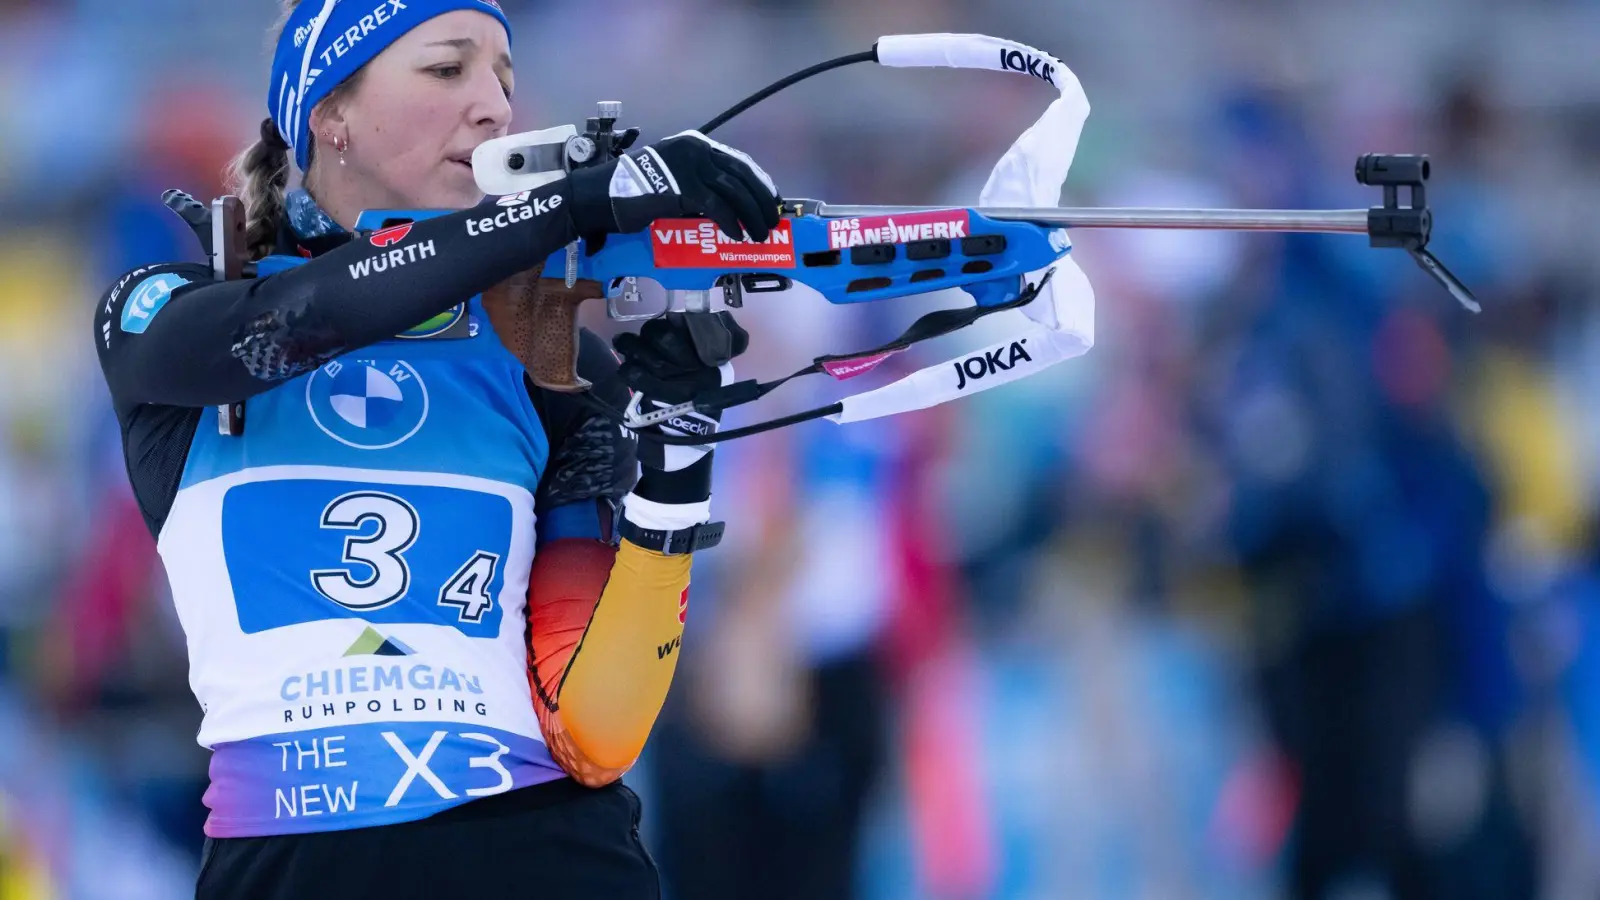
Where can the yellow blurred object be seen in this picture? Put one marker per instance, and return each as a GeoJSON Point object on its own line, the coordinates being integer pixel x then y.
{"type": "Point", "coordinates": [35, 274]}
{"type": "Point", "coordinates": [1533, 451]}
{"type": "Point", "coordinates": [44, 314]}
{"type": "Point", "coordinates": [20, 880]}
{"type": "Point", "coordinates": [22, 876]}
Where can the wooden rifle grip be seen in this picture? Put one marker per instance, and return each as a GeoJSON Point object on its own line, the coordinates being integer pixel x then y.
{"type": "Point", "coordinates": [537, 320]}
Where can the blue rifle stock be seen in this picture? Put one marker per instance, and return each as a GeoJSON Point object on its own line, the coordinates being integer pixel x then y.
{"type": "Point", "coordinates": [846, 260]}
{"type": "Point", "coordinates": [901, 256]}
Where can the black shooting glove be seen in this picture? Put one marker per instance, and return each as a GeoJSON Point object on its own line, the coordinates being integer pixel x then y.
{"type": "Point", "coordinates": [672, 359]}
{"type": "Point", "coordinates": [685, 176]}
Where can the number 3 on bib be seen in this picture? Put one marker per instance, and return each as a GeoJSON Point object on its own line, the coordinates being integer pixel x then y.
{"type": "Point", "coordinates": [397, 526]}
{"type": "Point", "coordinates": [381, 551]}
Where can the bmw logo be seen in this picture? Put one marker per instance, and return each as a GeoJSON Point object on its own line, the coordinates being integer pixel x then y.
{"type": "Point", "coordinates": [368, 404]}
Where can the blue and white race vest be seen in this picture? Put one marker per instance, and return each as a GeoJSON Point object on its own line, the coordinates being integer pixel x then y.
{"type": "Point", "coordinates": [351, 575]}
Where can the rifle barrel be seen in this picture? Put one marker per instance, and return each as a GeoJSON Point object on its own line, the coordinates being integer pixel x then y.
{"type": "Point", "coordinates": [1336, 221]}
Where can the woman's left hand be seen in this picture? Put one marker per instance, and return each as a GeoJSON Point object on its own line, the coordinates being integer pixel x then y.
{"type": "Point", "coordinates": [670, 361]}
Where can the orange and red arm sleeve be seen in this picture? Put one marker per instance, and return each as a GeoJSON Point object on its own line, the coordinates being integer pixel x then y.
{"type": "Point", "coordinates": [605, 628]}
{"type": "Point", "coordinates": [604, 621]}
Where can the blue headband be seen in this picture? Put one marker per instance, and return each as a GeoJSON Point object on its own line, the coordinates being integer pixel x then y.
{"type": "Point", "coordinates": [326, 41]}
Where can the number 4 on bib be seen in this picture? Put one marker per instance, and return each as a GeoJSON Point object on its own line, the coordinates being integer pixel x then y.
{"type": "Point", "coordinates": [468, 588]}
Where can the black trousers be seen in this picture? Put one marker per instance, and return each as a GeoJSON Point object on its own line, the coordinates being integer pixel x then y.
{"type": "Point", "coordinates": [786, 830]}
{"type": "Point", "coordinates": [1351, 709]}
{"type": "Point", "coordinates": [556, 841]}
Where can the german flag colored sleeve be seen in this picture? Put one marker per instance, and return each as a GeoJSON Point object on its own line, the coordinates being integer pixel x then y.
{"type": "Point", "coordinates": [605, 625]}
{"type": "Point", "coordinates": [604, 621]}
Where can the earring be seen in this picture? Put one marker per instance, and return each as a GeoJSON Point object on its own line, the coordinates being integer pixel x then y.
{"type": "Point", "coordinates": [341, 145]}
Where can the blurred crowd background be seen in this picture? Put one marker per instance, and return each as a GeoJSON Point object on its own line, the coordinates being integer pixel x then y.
{"type": "Point", "coordinates": [1289, 588]}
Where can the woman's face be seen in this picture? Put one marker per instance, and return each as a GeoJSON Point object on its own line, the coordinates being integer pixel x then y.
{"type": "Point", "coordinates": [421, 108]}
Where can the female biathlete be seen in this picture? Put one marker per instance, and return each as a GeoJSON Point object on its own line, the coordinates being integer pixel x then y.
{"type": "Point", "coordinates": [432, 611]}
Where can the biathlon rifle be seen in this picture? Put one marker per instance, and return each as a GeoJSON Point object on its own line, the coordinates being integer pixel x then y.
{"type": "Point", "coordinates": [846, 253]}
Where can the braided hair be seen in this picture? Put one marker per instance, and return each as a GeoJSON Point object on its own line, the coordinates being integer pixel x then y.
{"type": "Point", "coordinates": [260, 174]}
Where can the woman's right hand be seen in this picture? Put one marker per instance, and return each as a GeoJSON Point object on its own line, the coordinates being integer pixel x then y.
{"type": "Point", "coordinates": [687, 175]}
